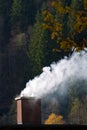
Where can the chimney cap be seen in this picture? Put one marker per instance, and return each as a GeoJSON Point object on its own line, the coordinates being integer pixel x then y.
{"type": "Point", "coordinates": [20, 98]}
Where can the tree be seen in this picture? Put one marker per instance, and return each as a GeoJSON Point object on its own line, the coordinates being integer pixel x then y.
{"type": "Point", "coordinates": [79, 16]}
{"type": "Point", "coordinates": [15, 16]}
{"type": "Point", "coordinates": [40, 49]}
{"type": "Point", "coordinates": [77, 90]}
{"type": "Point", "coordinates": [52, 22]}
{"type": "Point", "coordinates": [41, 46]}
{"type": "Point", "coordinates": [84, 110]}
{"type": "Point", "coordinates": [36, 46]}
{"type": "Point", "coordinates": [78, 114]}
{"type": "Point", "coordinates": [74, 115]}
{"type": "Point", "coordinates": [54, 119]}
{"type": "Point", "coordinates": [28, 13]}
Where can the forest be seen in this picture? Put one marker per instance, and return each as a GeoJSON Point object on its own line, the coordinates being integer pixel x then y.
{"type": "Point", "coordinates": [33, 34]}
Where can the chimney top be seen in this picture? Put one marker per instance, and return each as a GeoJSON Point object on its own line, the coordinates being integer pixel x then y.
{"type": "Point", "coordinates": [19, 98]}
{"type": "Point", "coordinates": [28, 109]}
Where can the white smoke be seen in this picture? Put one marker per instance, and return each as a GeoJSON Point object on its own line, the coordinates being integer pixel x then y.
{"type": "Point", "coordinates": [58, 77]}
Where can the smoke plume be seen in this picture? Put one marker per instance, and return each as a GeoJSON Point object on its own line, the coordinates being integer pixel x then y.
{"type": "Point", "coordinates": [58, 77]}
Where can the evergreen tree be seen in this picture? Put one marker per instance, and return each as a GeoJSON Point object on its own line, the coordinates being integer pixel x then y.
{"type": "Point", "coordinates": [28, 13]}
{"type": "Point", "coordinates": [75, 6]}
{"type": "Point", "coordinates": [77, 113]}
{"type": "Point", "coordinates": [36, 47]}
{"type": "Point", "coordinates": [15, 16]}
{"type": "Point", "coordinates": [40, 48]}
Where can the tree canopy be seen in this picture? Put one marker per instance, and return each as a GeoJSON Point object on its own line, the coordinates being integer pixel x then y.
{"type": "Point", "coordinates": [75, 14]}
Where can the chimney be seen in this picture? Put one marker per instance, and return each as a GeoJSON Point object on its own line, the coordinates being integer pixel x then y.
{"type": "Point", "coordinates": [28, 110]}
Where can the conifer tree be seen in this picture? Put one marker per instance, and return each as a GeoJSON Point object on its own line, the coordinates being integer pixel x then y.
{"type": "Point", "coordinates": [28, 12]}
{"type": "Point", "coordinates": [36, 47]}
{"type": "Point", "coordinates": [15, 16]}
{"type": "Point", "coordinates": [40, 49]}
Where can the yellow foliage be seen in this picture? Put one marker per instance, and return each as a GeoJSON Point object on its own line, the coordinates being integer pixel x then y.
{"type": "Point", "coordinates": [53, 35]}
{"type": "Point", "coordinates": [58, 26]}
{"type": "Point", "coordinates": [48, 17]}
{"type": "Point", "coordinates": [85, 4]}
{"type": "Point", "coordinates": [80, 23]}
{"type": "Point", "coordinates": [53, 24]}
{"type": "Point", "coordinates": [54, 119]}
{"type": "Point", "coordinates": [59, 6]}
{"type": "Point", "coordinates": [53, 3]}
{"type": "Point", "coordinates": [46, 26]}
{"type": "Point", "coordinates": [44, 12]}
{"type": "Point", "coordinates": [67, 9]}
{"type": "Point", "coordinates": [83, 44]}
{"type": "Point", "coordinates": [67, 44]}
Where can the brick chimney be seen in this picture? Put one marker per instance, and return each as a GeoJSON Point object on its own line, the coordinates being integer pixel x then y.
{"type": "Point", "coordinates": [28, 110]}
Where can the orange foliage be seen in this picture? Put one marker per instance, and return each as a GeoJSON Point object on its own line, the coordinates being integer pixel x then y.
{"type": "Point", "coordinates": [54, 119]}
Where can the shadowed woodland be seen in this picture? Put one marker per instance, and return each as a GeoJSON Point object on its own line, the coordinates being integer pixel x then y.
{"type": "Point", "coordinates": [33, 34]}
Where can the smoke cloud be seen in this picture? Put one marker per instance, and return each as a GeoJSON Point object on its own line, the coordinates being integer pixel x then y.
{"type": "Point", "coordinates": [58, 77]}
